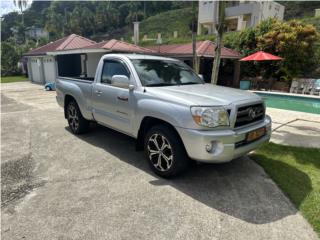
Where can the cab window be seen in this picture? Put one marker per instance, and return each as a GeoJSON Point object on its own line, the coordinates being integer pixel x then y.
{"type": "Point", "coordinates": [111, 68]}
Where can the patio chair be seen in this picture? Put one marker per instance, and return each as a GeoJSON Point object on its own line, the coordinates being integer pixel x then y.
{"type": "Point", "coordinates": [315, 88]}
{"type": "Point", "coordinates": [302, 84]}
{"type": "Point", "coordinates": [308, 86]}
{"type": "Point", "coordinates": [294, 86]}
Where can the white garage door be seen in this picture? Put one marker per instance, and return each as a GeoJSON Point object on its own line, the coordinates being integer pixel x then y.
{"type": "Point", "coordinates": [36, 70]}
{"type": "Point", "coordinates": [49, 69]}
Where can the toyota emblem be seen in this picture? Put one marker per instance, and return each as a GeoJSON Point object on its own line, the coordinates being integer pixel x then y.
{"type": "Point", "coordinates": [252, 113]}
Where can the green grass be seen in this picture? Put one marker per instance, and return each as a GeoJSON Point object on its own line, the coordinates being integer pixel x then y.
{"type": "Point", "coordinates": [13, 79]}
{"type": "Point", "coordinates": [296, 171]}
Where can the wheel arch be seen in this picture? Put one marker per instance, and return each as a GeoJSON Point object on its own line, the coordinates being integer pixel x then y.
{"type": "Point", "coordinates": [146, 124]}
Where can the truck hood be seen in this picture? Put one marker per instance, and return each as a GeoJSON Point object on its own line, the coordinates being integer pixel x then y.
{"type": "Point", "coordinates": [202, 94]}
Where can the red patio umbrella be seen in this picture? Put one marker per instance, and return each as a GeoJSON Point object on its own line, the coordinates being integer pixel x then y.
{"type": "Point", "coordinates": [260, 56]}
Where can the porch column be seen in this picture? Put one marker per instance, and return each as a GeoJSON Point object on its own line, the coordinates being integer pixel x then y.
{"type": "Point", "coordinates": [196, 65]}
{"type": "Point", "coordinates": [240, 23]}
{"type": "Point", "coordinates": [199, 28]}
{"type": "Point", "coordinates": [236, 74]}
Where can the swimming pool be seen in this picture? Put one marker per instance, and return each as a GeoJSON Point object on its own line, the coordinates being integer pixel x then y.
{"type": "Point", "coordinates": [294, 103]}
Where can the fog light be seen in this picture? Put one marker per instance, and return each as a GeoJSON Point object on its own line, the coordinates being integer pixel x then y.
{"type": "Point", "coordinates": [215, 147]}
{"type": "Point", "coordinates": [209, 147]}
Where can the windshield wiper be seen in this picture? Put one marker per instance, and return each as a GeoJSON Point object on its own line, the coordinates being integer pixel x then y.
{"type": "Point", "coordinates": [159, 84]}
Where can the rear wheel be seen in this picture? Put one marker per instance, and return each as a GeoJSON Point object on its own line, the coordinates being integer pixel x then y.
{"type": "Point", "coordinates": [165, 152]}
{"type": "Point", "coordinates": [77, 123]}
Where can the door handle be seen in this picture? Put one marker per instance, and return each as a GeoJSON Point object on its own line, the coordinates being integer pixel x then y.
{"type": "Point", "coordinates": [98, 92]}
{"type": "Point", "coordinates": [122, 98]}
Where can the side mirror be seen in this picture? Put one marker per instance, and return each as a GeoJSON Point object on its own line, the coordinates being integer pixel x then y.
{"type": "Point", "coordinates": [131, 87]}
{"type": "Point", "coordinates": [121, 81]}
{"type": "Point", "coordinates": [200, 76]}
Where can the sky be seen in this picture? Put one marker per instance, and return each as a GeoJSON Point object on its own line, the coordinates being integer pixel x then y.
{"type": "Point", "coordinates": [7, 6]}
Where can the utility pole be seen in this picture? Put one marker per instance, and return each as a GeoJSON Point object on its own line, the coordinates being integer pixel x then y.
{"type": "Point", "coordinates": [219, 27]}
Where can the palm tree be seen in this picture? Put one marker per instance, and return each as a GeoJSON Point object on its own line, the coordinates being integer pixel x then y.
{"type": "Point", "coordinates": [21, 4]}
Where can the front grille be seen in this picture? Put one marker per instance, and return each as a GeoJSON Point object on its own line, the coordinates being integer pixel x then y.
{"type": "Point", "coordinates": [249, 114]}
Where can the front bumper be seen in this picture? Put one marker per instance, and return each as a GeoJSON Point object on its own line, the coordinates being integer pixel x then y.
{"type": "Point", "coordinates": [227, 144]}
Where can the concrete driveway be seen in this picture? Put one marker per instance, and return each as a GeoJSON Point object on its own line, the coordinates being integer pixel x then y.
{"type": "Point", "coordinates": [59, 186]}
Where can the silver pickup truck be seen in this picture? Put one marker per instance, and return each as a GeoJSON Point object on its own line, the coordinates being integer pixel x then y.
{"type": "Point", "coordinates": [173, 115]}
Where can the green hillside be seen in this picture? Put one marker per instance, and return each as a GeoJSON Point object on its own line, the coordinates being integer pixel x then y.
{"type": "Point", "coordinates": [168, 22]}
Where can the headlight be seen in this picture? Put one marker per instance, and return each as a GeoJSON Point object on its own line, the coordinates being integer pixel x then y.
{"type": "Point", "coordinates": [210, 116]}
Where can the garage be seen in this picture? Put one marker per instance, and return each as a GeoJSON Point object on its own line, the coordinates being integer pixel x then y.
{"type": "Point", "coordinates": [36, 74]}
{"type": "Point", "coordinates": [49, 69]}
{"type": "Point", "coordinates": [42, 67]}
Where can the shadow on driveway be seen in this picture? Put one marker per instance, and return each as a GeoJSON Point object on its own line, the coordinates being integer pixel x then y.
{"type": "Point", "coordinates": [240, 188]}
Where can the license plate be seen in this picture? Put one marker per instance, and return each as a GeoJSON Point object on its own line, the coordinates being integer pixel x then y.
{"type": "Point", "coordinates": [258, 133]}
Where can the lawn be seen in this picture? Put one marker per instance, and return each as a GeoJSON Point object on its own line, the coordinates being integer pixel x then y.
{"type": "Point", "coordinates": [296, 171]}
{"type": "Point", "coordinates": [13, 79]}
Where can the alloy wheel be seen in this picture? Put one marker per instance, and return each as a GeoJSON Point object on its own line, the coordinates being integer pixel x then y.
{"type": "Point", "coordinates": [73, 117]}
{"type": "Point", "coordinates": [160, 152]}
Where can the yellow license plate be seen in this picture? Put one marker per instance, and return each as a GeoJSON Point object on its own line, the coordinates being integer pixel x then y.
{"type": "Point", "coordinates": [258, 133]}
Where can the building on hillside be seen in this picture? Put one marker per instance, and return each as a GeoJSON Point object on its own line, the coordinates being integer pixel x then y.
{"type": "Point", "coordinates": [239, 14]}
{"type": "Point", "coordinates": [229, 73]}
{"type": "Point", "coordinates": [36, 33]}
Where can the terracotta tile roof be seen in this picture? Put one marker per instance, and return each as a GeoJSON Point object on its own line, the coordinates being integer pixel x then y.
{"type": "Point", "coordinates": [203, 49]}
{"type": "Point", "coordinates": [72, 41]}
{"type": "Point", "coordinates": [119, 46]}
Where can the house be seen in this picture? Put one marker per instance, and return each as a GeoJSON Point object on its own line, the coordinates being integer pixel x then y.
{"type": "Point", "coordinates": [85, 59]}
{"type": "Point", "coordinates": [239, 14]}
{"type": "Point", "coordinates": [73, 56]}
{"type": "Point", "coordinates": [230, 67]}
{"type": "Point", "coordinates": [76, 56]}
{"type": "Point", "coordinates": [36, 33]}
{"type": "Point", "coordinates": [42, 68]}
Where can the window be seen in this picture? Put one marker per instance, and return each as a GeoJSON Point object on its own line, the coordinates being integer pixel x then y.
{"type": "Point", "coordinates": [111, 68]}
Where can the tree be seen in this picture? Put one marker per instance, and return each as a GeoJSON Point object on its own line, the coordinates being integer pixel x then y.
{"type": "Point", "coordinates": [295, 41]}
{"type": "Point", "coordinates": [21, 5]}
{"type": "Point", "coordinates": [9, 59]}
{"type": "Point", "coordinates": [194, 39]}
{"type": "Point", "coordinates": [220, 26]}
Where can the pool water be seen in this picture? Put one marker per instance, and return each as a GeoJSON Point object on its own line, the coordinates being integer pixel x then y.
{"type": "Point", "coordinates": [294, 103]}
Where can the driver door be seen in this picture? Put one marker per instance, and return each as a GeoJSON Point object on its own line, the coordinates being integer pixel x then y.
{"type": "Point", "coordinates": [113, 102]}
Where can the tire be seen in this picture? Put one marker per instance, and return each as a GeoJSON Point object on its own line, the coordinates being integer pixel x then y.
{"type": "Point", "coordinates": [48, 89]}
{"type": "Point", "coordinates": [77, 123]}
{"type": "Point", "coordinates": [170, 159]}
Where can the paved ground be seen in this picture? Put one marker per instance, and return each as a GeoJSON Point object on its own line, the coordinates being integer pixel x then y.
{"type": "Point", "coordinates": [295, 128]}
{"type": "Point", "coordinates": [59, 186]}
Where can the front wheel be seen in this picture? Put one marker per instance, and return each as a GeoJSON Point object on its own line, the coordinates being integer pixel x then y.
{"type": "Point", "coordinates": [165, 152]}
{"type": "Point", "coordinates": [77, 123]}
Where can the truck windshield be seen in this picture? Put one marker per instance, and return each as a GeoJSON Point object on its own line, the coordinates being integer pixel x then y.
{"type": "Point", "coordinates": [153, 73]}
